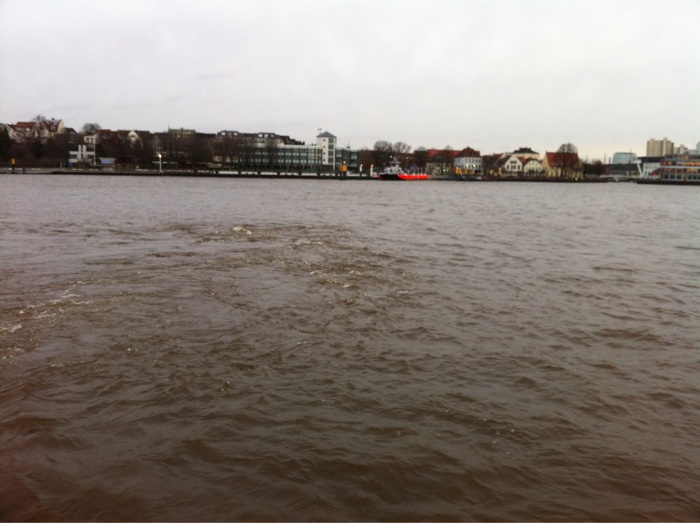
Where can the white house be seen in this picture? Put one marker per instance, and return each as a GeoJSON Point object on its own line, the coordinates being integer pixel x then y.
{"type": "Point", "coordinates": [513, 165]}
{"type": "Point", "coordinates": [532, 167]}
{"type": "Point", "coordinates": [84, 155]}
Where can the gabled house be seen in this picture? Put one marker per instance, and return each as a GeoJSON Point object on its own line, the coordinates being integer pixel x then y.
{"type": "Point", "coordinates": [50, 128]}
{"type": "Point", "coordinates": [24, 131]}
{"type": "Point", "coordinates": [531, 167]}
{"type": "Point", "coordinates": [468, 162]}
{"type": "Point", "coordinates": [562, 165]}
{"type": "Point", "coordinates": [511, 165]}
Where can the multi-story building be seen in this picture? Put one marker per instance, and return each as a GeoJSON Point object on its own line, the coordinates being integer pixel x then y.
{"type": "Point", "coordinates": [468, 162]}
{"type": "Point", "coordinates": [659, 147]}
{"type": "Point", "coordinates": [326, 142]}
{"type": "Point", "coordinates": [270, 151]}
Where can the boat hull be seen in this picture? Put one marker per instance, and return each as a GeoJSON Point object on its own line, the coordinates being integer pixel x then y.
{"type": "Point", "coordinates": [643, 181]}
{"type": "Point", "coordinates": [403, 176]}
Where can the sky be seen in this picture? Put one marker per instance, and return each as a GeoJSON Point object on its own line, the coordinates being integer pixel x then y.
{"type": "Point", "coordinates": [494, 75]}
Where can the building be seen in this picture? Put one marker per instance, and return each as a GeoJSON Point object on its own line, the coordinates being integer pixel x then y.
{"type": "Point", "coordinates": [659, 147]}
{"type": "Point", "coordinates": [347, 159]}
{"type": "Point", "coordinates": [84, 155]}
{"type": "Point", "coordinates": [468, 162]}
{"type": "Point", "coordinates": [526, 152]}
{"type": "Point", "coordinates": [623, 158]}
{"type": "Point", "coordinates": [51, 128]}
{"type": "Point", "coordinates": [326, 142]}
{"type": "Point", "coordinates": [623, 165]}
{"type": "Point", "coordinates": [523, 162]}
{"type": "Point", "coordinates": [532, 167]}
{"type": "Point", "coordinates": [267, 151]}
{"type": "Point", "coordinates": [23, 131]}
{"type": "Point", "coordinates": [562, 165]}
{"type": "Point", "coordinates": [510, 165]}
{"type": "Point", "coordinates": [440, 162]}
{"type": "Point", "coordinates": [42, 130]}
{"type": "Point", "coordinates": [648, 164]}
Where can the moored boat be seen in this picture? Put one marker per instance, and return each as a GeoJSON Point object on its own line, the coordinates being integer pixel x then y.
{"type": "Point", "coordinates": [394, 172]}
{"type": "Point", "coordinates": [677, 169]}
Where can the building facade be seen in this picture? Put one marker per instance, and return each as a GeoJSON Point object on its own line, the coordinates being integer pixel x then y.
{"type": "Point", "coordinates": [326, 142]}
{"type": "Point", "coordinates": [566, 165]}
{"type": "Point", "coordinates": [468, 162]}
{"type": "Point", "coordinates": [272, 152]}
{"type": "Point", "coordinates": [659, 147]}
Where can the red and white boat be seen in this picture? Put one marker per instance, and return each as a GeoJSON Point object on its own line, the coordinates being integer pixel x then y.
{"type": "Point", "coordinates": [394, 172]}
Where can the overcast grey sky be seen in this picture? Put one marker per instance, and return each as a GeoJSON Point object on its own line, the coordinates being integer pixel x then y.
{"type": "Point", "coordinates": [605, 75]}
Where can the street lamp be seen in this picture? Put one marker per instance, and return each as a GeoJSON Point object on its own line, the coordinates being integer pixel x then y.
{"type": "Point", "coordinates": [160, 163]}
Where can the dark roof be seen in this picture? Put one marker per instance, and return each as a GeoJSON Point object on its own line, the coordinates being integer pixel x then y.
{"type": "Point", "coordinates": [525, 150]}
{"type": "Point", "coordinates": [468, 152]}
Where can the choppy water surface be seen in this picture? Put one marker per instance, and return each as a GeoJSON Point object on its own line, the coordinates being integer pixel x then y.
{"type": "Point", "coordinates": [182, 349]}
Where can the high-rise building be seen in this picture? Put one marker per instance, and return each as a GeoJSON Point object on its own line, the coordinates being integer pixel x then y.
{"type": "Point", "coordinates": [659, 147]}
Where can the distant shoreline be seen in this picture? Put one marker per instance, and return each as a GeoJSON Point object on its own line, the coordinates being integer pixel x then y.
{"type": "Point", "coordinates": [194, 174]}
{"type": "Point", "coordinates": [279, 175]}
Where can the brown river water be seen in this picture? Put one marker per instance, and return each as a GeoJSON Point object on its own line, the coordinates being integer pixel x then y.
{"type": "Point", "coordinates": [239, 349]}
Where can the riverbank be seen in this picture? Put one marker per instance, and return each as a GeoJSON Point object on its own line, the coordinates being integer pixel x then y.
{"type": "Point", "coordinates": [275, 175]}
{"type": "Point", "coordinates": [212, 174]}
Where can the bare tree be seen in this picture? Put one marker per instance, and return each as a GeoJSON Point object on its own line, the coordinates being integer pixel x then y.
{"type": "Point", "coordinates": [567, 148]}
{"type": "Point", "coordinates": [382, 153]}
{"type": "Point", "coordinates": [142, 151]}
{"type": "Point", "coordinates": [91, 128]}
{"type": "Point", "coordinates": [39, 126]}
{"type": "Point", "coordinates": [227, 149]}
{"type": "Point", "coordinates": [5, 144]}
{"type": "Point", "coordinates": [400, 148]}
{"type": "Point", "coordinates": [420, 157]}
{"type": "Point", "coordinates": [246, 148]}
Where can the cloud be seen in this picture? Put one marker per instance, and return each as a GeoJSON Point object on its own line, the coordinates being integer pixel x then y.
{"type": "Point", "coordinates": [606, 75]}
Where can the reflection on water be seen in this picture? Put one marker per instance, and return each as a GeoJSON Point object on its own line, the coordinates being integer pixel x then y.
{"type": "Point", "coordinates": [181, 349]}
